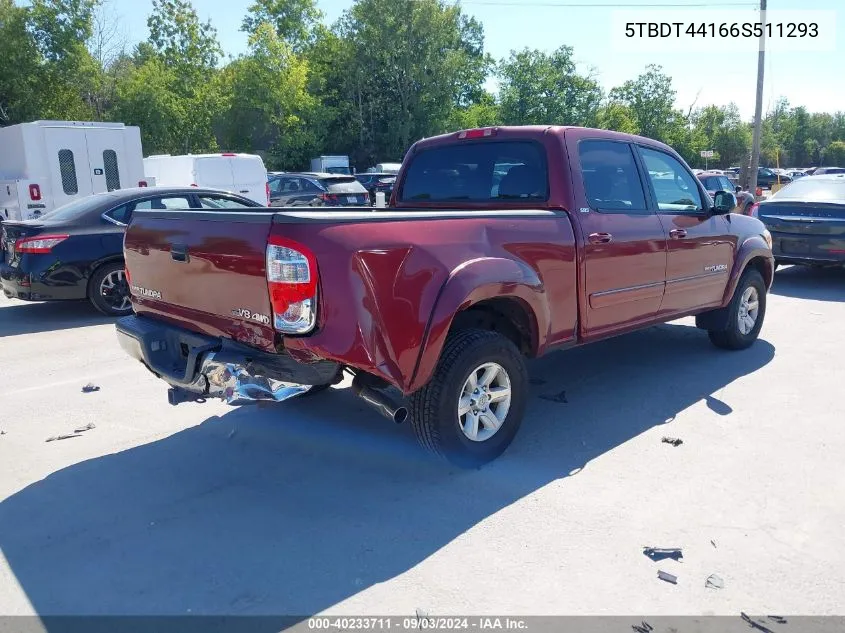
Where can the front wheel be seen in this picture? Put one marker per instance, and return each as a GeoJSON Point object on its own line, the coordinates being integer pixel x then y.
{"type": "Point", "coordinates": [746, 312]}
{"type": "Point", "coordinates": [471, 409]}
{"type": "Point", "coordinates": [108, 290]}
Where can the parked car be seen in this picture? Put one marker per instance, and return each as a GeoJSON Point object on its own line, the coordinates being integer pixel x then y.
{"type": "Point", "coordinates": [76, 252]}
{"type": "Point", "coordinates": [827, 171]}
{"type": "Point", "coordinates": [377, 183]}
{"type": "Point", "coordinates": [46, 164]}
{"type": "Point", "coordinates": [241, 173]}
{"type": "Point", "coordinates": [388, 168]}
{"type": "Point", "coordinates": [795, 174]}
{"type": "Point", "coordinates": [767, 177]}
{"type": "Point", "coordinates": [714, 182]}
{"type": "Point", "coordinates": [317, 190]}
{"type": "Point", "coordinates": [807, 221]}
{"type": "Point", "coordinates": [445, 294]}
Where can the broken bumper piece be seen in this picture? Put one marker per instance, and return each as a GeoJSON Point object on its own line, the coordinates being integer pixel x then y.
{"type": "Point", "coordinates": [198, 367]}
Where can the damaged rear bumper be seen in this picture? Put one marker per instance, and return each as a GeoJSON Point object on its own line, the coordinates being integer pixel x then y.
{"type": "Point", "coordinates": [199, 367]}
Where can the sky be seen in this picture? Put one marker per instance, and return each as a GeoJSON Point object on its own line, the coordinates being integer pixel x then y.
{"type": "Point", "coordinates": [711, 75]}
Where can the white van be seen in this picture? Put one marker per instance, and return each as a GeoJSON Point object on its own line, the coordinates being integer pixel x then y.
{"type": "Point", "coordinates": [388, 168]}
{"type": "Point", "coordinates": [46, 164]}
{"type": "Point", "coordinates": [243, 174]}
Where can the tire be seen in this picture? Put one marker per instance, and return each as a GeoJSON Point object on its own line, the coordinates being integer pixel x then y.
{"type": "Point", "coordinates": [435, 408]}
{"type": "Point", "coordinates": [734, 338]}
{"type": "Point", "coordinates": [114, 303]}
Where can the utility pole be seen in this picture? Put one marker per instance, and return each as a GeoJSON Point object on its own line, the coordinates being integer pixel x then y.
{"type": "Point", "coordinates": [758, 108]}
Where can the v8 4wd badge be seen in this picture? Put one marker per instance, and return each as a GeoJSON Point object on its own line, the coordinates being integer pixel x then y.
{"type": "Point", "coordinates": [249, 315]}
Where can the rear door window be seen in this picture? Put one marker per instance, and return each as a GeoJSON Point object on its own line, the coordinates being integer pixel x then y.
{"type": "Point", "coordinates": [221, 202]}
{"type": "Point", "coordinates": [479, 171]}
{"type": "Point", "coordinates": [611, 180]}
{"type": "Point", "coordinates": [177, 203]}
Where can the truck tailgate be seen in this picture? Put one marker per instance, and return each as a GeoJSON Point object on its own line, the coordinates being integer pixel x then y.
{"type": "Point", "coordinates": [204, 271]}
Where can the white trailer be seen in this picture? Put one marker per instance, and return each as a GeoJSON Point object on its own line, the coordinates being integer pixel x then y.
{"type": "Point", "coordinates": [243, 174]}
{"type": "Point", "coordinates": [46, 164]}
{"type": "Point", "coordinates": [330, 165]}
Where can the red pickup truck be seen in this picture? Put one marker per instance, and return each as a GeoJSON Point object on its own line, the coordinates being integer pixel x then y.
{"type": "Point", "coordinates": [500, 244]}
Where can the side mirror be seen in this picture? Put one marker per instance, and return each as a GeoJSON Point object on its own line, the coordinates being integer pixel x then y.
{"type": "Point", "coordinates": [724, 202]}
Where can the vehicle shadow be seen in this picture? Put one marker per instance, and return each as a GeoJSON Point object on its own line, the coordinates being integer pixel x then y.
{"type": "Point", "coordinates": [292, 509]}
{"type": "Point", "coordinates": [803, 282]}
{"type": "Point", "coordinates": [33, 318]}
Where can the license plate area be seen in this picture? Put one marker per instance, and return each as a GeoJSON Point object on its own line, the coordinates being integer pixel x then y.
{"type": "Point", "coordinates": [795, 247]}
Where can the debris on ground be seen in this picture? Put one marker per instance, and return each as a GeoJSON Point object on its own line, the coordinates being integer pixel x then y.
{"type": "Point", "coordinates": [713, 543]}
{"type": "Point", "coordinates": [661, 553]}
{"type": "Point", "coordinates": [777, 618]}
{"type": "Point", "coordinates": [674, 441]}
{"type": "Point", "coordinates": [76, 433]}
{"type": "Point", "coordinates": [232, 434]}
{"type": "Point", "coordinates": [536, 381]}
{"type": "Point", "coordinates": [667, 577]}
{"type": "Point", "coordinates": [714, 582]}
{"type": "Point", "coordinates": [557, 397]}
{"type": "Point", "coordinates": [643, 627]}
{"type": "Point", "coordinates": [62, 437]}
{"type": "Point", "coordinates": [2, 432]}
{"type": "Point", "coordinates": [90, 388]}
{"type": "Point", "coordinates": [754, 624]}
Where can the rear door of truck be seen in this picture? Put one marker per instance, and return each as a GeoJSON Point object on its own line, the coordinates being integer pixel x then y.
{"type": "Point", "coordinates": [203, 270]}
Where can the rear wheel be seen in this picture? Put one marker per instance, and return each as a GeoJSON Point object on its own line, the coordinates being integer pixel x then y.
{"type": "Point", "coordinates": [108, 290]}
{"type": "Point", "coordinates": [471, 409]}
{"type": "Point", "coordinates": [745, 315]}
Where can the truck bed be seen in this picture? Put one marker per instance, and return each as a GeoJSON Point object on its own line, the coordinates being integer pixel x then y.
{"type": "Point", "coordinates": [382, 275]}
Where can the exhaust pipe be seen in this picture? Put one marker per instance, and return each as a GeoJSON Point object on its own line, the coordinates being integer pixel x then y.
{"type": "Point", "coordinates": [381, 402]}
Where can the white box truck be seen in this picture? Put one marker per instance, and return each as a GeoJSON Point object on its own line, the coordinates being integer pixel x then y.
{"type": "Point", "coordinates": [46, 164]}
{"type": "Point", "coordinates": [330, 165]}
{"type": "Point", "coordinates": [243, 174]}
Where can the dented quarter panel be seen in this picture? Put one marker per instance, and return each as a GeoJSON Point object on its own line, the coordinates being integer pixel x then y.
{"type": "Point", "coordinates": [385, 305]}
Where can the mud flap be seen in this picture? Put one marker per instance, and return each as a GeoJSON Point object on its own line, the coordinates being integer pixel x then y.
{"type": "Point", "coordinates": [713, 320]}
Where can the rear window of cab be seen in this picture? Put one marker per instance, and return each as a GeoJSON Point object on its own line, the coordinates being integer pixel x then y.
{"type": "Point", "coordinates": [503, 171]}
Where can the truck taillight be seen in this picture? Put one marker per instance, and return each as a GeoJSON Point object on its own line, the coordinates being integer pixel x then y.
{"type": "Point", "coordinates": [39, 245]}
{"type": "Point", "coordinates": [477, 133]}
{"type": "Point", "coordinates": [142, 183]}
{"type": "Point", "coordinates": [292, 282]}
{"type": "Point", "coordinates": [35, 192]}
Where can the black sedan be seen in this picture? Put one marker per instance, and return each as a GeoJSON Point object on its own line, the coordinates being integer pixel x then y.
{"type": "Point", "coordinates": [316, 190]}
{"type": "Point", "coordinates": [76, 251]}
{"type": "Point", "coordinates": [807, 221]}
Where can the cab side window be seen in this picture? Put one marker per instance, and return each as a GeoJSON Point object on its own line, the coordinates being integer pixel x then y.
{"type": "Point", "coordinates": [674, 187]}
{"type": "Point", "coordinates": [611, 180]}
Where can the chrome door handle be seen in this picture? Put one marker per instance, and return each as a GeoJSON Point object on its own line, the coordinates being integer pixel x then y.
{"type": "Point", "coordinates": [677, 234]}
{"type": "Point", "coordinates": [600, 238]}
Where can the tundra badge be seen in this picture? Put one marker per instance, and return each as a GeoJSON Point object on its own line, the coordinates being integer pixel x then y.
{"type": "Point", "coordinates": [146, 292]}
{"type": "Point", "coordinates": [716, 268]}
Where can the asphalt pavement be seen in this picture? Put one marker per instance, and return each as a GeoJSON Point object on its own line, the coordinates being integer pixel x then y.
{"type": "Point", "coordinates": [319, 505]}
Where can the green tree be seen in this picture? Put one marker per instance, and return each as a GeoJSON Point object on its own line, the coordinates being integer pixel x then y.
{"type": "Point", "coordinates": [295, 21]}
{"type": "Point", "coordinates": [177, 65]}
{"type": "Point", "coordinates": [484, 113]}
{"type": "Point", "coordinates": [834, 154]}
{"type": "Point", "coordinates": [618, 117]}
{"type": "Point", "coordinates": [650, 99]}
{"type": "Point", "coordinates": [408, 65]}
{"type": "Point", "coordinates": [542, 88]}
{"type": "Point", "coordinates": [267, 105]}
{"type": "Point", "coordinates": [20, 66]}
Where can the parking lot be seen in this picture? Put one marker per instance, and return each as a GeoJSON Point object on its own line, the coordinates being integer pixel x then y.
{"type": "Point", "coordinates": [318, 504]}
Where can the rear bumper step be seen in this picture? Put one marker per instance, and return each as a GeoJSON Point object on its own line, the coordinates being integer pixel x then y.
{"type": "Point", "coordinates": [198, 366]}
